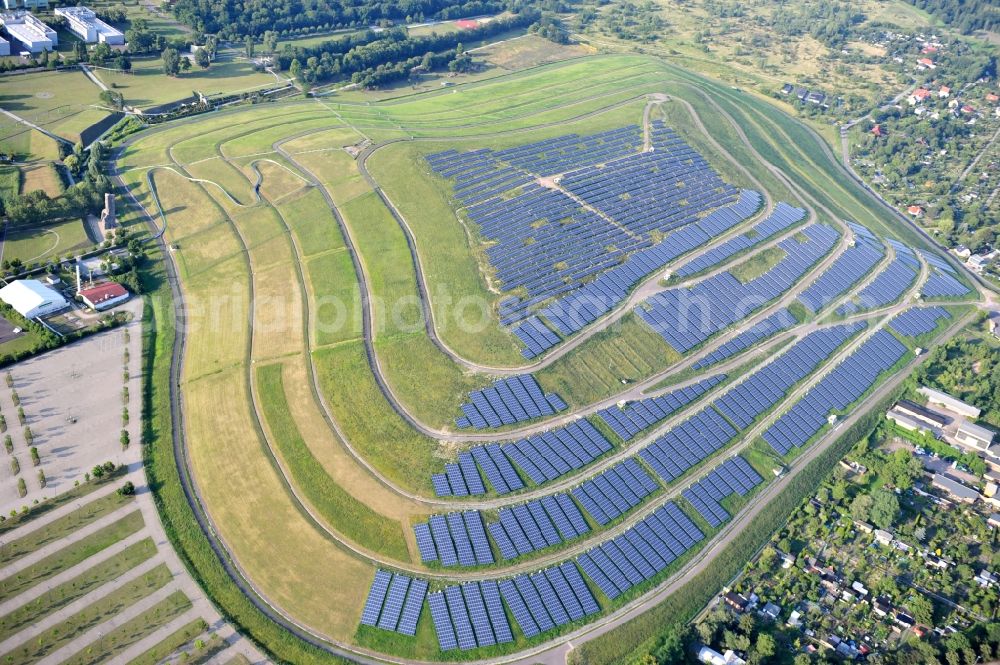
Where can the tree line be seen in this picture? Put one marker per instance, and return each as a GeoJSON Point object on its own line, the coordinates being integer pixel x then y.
{"type": "Point", "coordinates": [233, 19]}
{"type": "Point", "coordinates": [372, 58]}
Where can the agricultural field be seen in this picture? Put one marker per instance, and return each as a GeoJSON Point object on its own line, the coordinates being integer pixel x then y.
{"type": "Point", "coordinates": [346, 314]}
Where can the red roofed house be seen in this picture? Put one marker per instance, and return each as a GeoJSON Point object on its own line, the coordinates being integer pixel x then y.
{"type": "Point", "coordinates": [916, 211]}
{"type": "Point", "coordinates": [919, 95]}
{"type": "Point", "coordinates": [944, 92]}
{"type": "Point", "coordinates": [927, 63]}
{"type": "Point", "coordinates": [105, 295]}
{"type": "Point", "coordinates": [877, 130]}
{"type": "Point", "coordinates": [968, 109]}
{"type": "Point", "coordinates": [992, 97]}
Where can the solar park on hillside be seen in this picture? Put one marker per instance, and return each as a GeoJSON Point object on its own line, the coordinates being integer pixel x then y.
{"type": "Point", "coordinates": [573, 225]}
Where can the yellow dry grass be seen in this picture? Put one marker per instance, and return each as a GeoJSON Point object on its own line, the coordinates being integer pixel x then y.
{"type": "Point", "coordinates": [258, 520]}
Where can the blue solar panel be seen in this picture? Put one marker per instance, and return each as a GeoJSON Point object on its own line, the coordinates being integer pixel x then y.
{"type": "Point", "coordinates": [412, 608]}
{"type": "Point", "coordinates": [442, 622]}
{"type": "Point", "coordinates": [917, 321]}
{"type": "Point", "coordinates": [837, 390]}
{"type": "Point", "coordinates": [508, 401]}
{"type": "Point", "coordinates": [376, 597]}
{"type": "Point", "coordinates": [686, 317]}
{"type": "Point", "coordinates": [629, 420]}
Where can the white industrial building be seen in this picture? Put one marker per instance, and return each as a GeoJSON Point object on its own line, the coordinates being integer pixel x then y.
{"type": "Point", "coordinates": [84, 23]}
{"type": "Point", "coordinates": [30, 32]}
{"type": "Point", "coordinates": [974, 436]}
{"type": "Point", "coordinates": [31, 299]}
{"type": "Point", "coordinates": [25, 4]}
{"type": "Point", "coordinates": [949, 402]}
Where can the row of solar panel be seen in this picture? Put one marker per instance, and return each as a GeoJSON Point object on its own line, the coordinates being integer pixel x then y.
{"type": "Point", "coordinates": [455, 539]}
{"type": "Point", "coordinates": [942, 285]}
{"type": "Point", "coordinates": [768, 385]}
{"type": "Point", "coordinates": [889, 284]}
{"type": "Point", "coordinates": [538, 524]}
{"type": "Point", "coordinates": [837, 390]}
{"type": "Point", "coordinates": [781, 218]}
{"type": "Point", "coordinates": [394, 602]}
{"type": "Point", "coordinates": [686, 317]}
{"type": "Point", "coordinates": [616, 491]}
{"type": "Point", "coordinates": [734, 476]}
{"type": "Point", "coordinates": [916, 321]}
{"type": "Point", "coordinates": [629, 419]}
{"type": "Point", "coordinates": [541, 457]}
{"type": "Point", "coordinates": [684, 446]}
{"type": "Point", "coordinates": [536, 337]}
{"type": "Point", "coordinates": [469, 615]}
{"type": "Point", "coordinates": [856, 262]}
{"type": "Point", "coordinates": [510, 400]}
{"type": "Point", "coordinates": [781, 320]}
{"type": "Point", "coordinates": [642, 552]}
{"type": "Point", "coordinates": [595, 299]}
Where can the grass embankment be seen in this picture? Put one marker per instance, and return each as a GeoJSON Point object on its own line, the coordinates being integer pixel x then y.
{"type": "Point", "coordinates": [626, 352]}
{"type": "Point", "coordinates": [758, 264]}
{"type": "Point", "coordinates": [349, 516]}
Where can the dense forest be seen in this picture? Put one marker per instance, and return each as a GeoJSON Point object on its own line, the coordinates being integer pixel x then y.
{"type": "Point", "coordinates": [964, 15]}
{"type": "Point", "coordinates": [232, 19]}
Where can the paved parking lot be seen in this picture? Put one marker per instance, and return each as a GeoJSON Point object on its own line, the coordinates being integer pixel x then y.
{"type": "Point", "coordinates": [72, 399]}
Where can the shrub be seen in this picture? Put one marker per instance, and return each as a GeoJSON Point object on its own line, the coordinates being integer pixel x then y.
{"type": "Point", "coordinates": [15, 466]}
{"type": "Point", "coordinates": [128, 489]}
{"type": "Point", "coordinates": [41, 479]}
{"type": "Point", "coordinates": [35, 459]}
{"type": "Point", "coordinates": [22, 488]}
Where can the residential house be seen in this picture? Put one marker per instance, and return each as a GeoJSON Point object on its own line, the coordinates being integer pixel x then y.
{"type": "Point", "coordinates": [944, 92]}
{"type": "Point", "coordinates": [736, 601]}
{"type": "Point", "coordinates": [915, 210]}
{"type": "Point", "coordinates": [955, 489]}
{"type": "Point", "coordinates": [883, 537]}
{"type": "Point", "coordinates": [710, 656]}
{"type": "Point", "coordinates": [919, 95]}
{"type": "Point", "coordinates": [771, 611]}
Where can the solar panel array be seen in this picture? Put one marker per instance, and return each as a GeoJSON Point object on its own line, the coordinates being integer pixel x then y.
{"type": "Point", "coordinates": [548, 599]}
{"type": "Point", "coordinates": [937, 262]}
{"type": "Point", "coordinates": [542, 240]}
{"type": "Point", "coordinates": [734, 476]}
{"type": "Point", "coordinates": [837, 390]}
{"type": "Point", "coordinates": [469, 615]}
{"type": "Point", "coordinates": [541, 457]}
{"type": "Point", "coordinates": [536, 525]}
{"type": "Point", "coordinates": [510, 400]}
{"type": "Point", "coordinates": [940, 284]}
{"type": "Point", "coordinates": [394, 603]}
{"type": "Point", "coordinates": [782, 217]}
{"type": "Point", "coordinates": [918, 320]}
{"type": "Point", "coordinates": [616, 491]}
{"type": "Point", "coordinates": [889, 285]}
{"type": "Point", "coordinates": [697, 438]}
{"type": "Point", "coordinates": [595, 299]}
{"type": "Point", "coordinates": [772, 325]}
{"type": "Point", "coordinates": [759, 392]}
{"type": "Point", "coordinates": [849, 268]}
{"type": "Point", "coordinates": [455, 539]}
{"type": "Point", "coordinates": [536, 337]}
{"type": "Point", "coordinates": [629, 420]}
{"type": "Point", "coordinates": [686, 317]}
{"type": "Point", "coordinates": [642, 552]}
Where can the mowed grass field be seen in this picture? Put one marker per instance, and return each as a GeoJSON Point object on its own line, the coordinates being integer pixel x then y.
{"type": "Point", "coordinates": [38, 244]}
{"type": "Point", "coordinates": [63, 102]}
{"type": "Point", "coordinates": [278, 410]}
{"type": "Point", "coordinates": [146, 85]}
